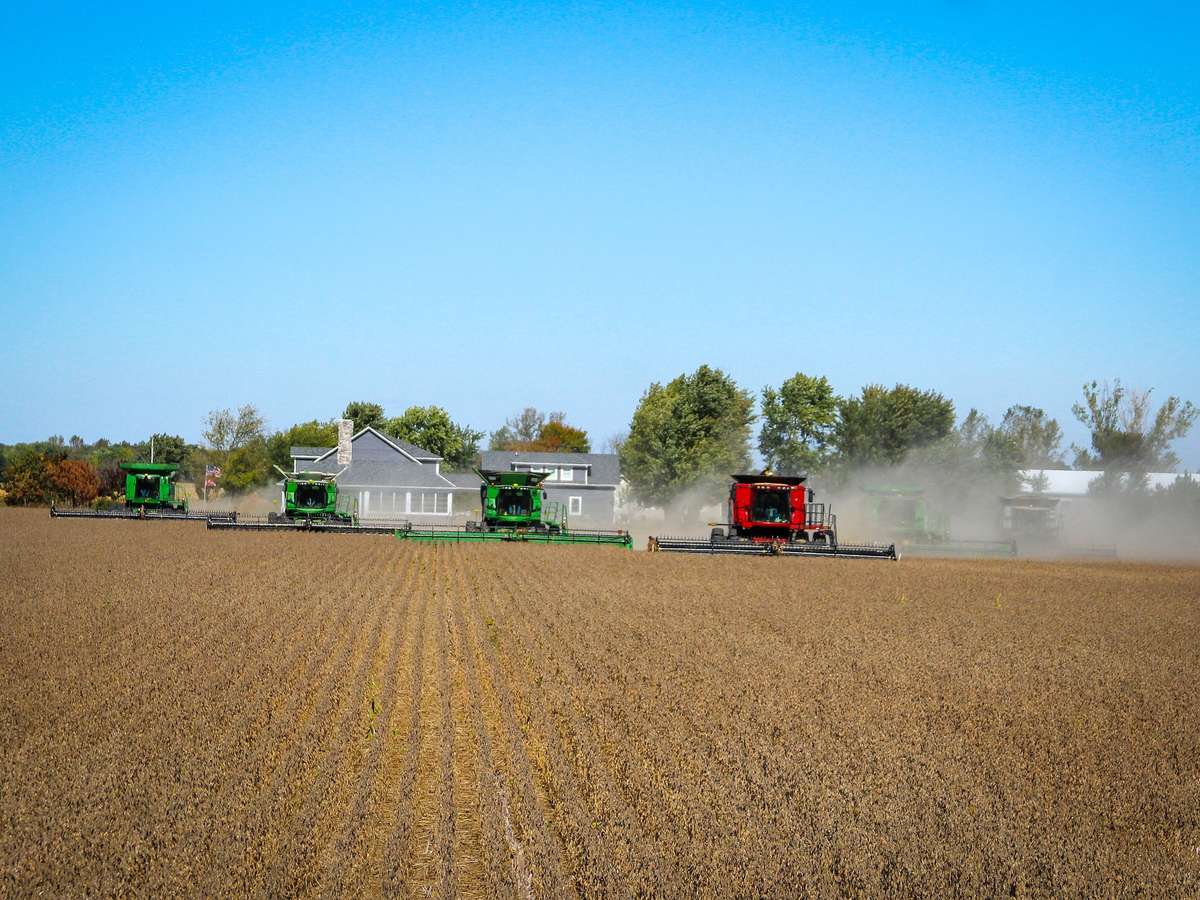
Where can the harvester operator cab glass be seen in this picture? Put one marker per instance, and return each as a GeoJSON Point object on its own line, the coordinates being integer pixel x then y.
{"type": "Point", "coordinates": [310, 495]}
{"type": "Point", "coordinates": [145, 488]}
{"type": "Point", "coordinates": [513, 503]}
{"type": "Point", "coordinates": [770, 506]}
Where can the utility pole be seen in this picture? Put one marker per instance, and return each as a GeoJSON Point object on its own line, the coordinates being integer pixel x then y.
{"type": "Point", "coordinates": [151, 448]}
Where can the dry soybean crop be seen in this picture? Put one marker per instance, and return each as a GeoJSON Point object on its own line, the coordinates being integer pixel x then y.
{"type": "Point", "coordinates": [184, 711]}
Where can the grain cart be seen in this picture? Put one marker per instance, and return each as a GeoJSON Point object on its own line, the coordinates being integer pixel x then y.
{"type": "Point", "coordinates": [150, 493]}
{"type": "Point", "coordinates": [514, 508]}
{"type": "Point", "coordinates": [775, 515]}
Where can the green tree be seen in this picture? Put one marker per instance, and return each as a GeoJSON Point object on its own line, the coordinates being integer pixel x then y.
{"type": "Point", "coordinates": [503, 438]}
{"type": "Point", "coordinates": [363, 414]}
{"type": "Point", "coordinates": [978, 455]}
{"type": "Point", "coordinates": [28, 477]}
{"type": "Point", "coordinates": [247, 466]}
{"type": "Point", "coordinates": [797, 424]}
{"type": "Point", "coordinates": [686, 438]}
{"type": "Point", "coordinates": [1036, 437]}
{"type": "Point", "coordinates": [541, 432]}
{"type": "Point", "coordinates": [883, 425]}
{"type": "Point", "coordinates": [432, 429]}
{"type": "Point", "coordinates": [518, 432]}
{"type": "Point", "coordinates": [304, 434]}
{"type": "Point", "coordinates": [225, 431]}
{"type": "Point", "coordinates": [168, 448]}
{"type": "Point", "coordinates": [1126, 437]}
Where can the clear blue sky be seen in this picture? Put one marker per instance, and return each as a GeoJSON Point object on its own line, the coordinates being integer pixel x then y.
{"type": "Point", "coordinates": [492, 206]}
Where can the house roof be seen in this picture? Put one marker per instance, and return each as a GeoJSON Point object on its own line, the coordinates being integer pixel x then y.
{"type": "Point", "coordinates": [605, 468]}
{"type": "Point", "coordinates": [400, 474]}
{"type": "Point", "coordinates": [403, 446]}
{"type": "Point", "coordinates": [463, 479]}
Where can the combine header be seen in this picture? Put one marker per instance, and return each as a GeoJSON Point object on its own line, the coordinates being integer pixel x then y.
{"type": "Point", "coordinates": [514, 508]}
{"type": "Point", "coordinates": [149, 494]}
{"type": "Point", "coordinates": [774, 515]}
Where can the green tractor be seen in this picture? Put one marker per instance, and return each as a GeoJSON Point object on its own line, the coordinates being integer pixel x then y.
{"type": "Point", "coordinates": [309, 497]}
{"type": "Point", "coordinates": [514, 507]}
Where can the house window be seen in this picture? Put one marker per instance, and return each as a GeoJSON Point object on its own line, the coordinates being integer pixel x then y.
{"type": "Point", "coordinates": [575, 506]}
{"type": "Point", "coordinates": [566, 473]}
{"type": "Point", "coordinates": [430, 503]}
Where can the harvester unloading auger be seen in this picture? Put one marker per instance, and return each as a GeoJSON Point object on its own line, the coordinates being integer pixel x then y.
{"type": "Point", "coordinates": [774, 515]}
{"type": "Point", "coordinates": [514, 507]}
{"type": "Point", "coordinates": [150, 493]}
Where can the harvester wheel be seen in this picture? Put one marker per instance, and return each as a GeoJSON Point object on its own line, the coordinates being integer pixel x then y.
{"type": "Point", "coordinates": [718, 534]}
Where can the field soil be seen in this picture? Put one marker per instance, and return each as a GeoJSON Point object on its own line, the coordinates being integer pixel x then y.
{"type": "Point", "coordinates": [214, 713]}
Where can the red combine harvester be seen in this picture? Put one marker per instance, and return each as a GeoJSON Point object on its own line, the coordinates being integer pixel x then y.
{"type": "Point", "coordinates": [776, 515]}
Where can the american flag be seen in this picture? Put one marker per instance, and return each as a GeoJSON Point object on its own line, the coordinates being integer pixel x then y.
{"type": "Point", "coordinates": [211, 474]}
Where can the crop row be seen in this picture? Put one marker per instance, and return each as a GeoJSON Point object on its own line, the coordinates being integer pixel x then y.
{"type": "Point", "coordinates": [302, 715]}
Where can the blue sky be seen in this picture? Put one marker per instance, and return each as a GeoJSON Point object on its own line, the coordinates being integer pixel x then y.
{"type": "Point", "coordinates": [489, 206]}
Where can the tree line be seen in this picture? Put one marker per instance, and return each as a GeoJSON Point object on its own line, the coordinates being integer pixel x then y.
{"type": "Point", "coordinates": [685, 438]}
{"type": "Point", "coordinates": [239, 443]}
{"type": "Point", "coordinates": [688, 435]}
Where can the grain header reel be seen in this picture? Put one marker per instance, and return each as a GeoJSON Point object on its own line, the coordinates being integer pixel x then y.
{"type": "Point", "coordinates": [774, 515]}
{"type": "Point", "coordinates": [514, 508]}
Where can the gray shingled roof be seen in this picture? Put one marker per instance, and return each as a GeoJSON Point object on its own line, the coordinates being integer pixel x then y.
{"type": "Point", "coordinates": [605, 467]}
{"type": "Point", "coordinates": [382, 474]}
{"type": "Point", "coordinates": [411, 449]}
{"type": "Point", "coordinates": [463, 479]}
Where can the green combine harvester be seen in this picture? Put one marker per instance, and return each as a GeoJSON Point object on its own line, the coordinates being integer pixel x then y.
{"type": "Point", "coordinates": [514, 508]}
{"type": "Point", "coordinates": [150, 493]}
{"type": "Point", "coordinates": [904, 513]}
{"type": "Point", "coordinates": [309, 496]}
{"type": "Point", "coordinates": [309, 502]}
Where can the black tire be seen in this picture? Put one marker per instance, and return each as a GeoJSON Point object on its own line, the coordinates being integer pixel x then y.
{"type": "Point", "coordinates": [718, 534]}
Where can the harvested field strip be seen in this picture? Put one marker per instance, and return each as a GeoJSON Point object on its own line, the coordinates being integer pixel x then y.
{"type": "Point", "coordinates": [297, 714]}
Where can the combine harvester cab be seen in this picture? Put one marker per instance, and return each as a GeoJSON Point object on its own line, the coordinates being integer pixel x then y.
{"type": "Point", "coordinates": [514, 508]}
{"type": "Point", "coordinates": [150, 493]}
{"type": "Point", "coordinates": [774, 515]}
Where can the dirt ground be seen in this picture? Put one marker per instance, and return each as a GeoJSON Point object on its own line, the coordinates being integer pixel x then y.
{"type": "Point", "coordinates": [184, 711]}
